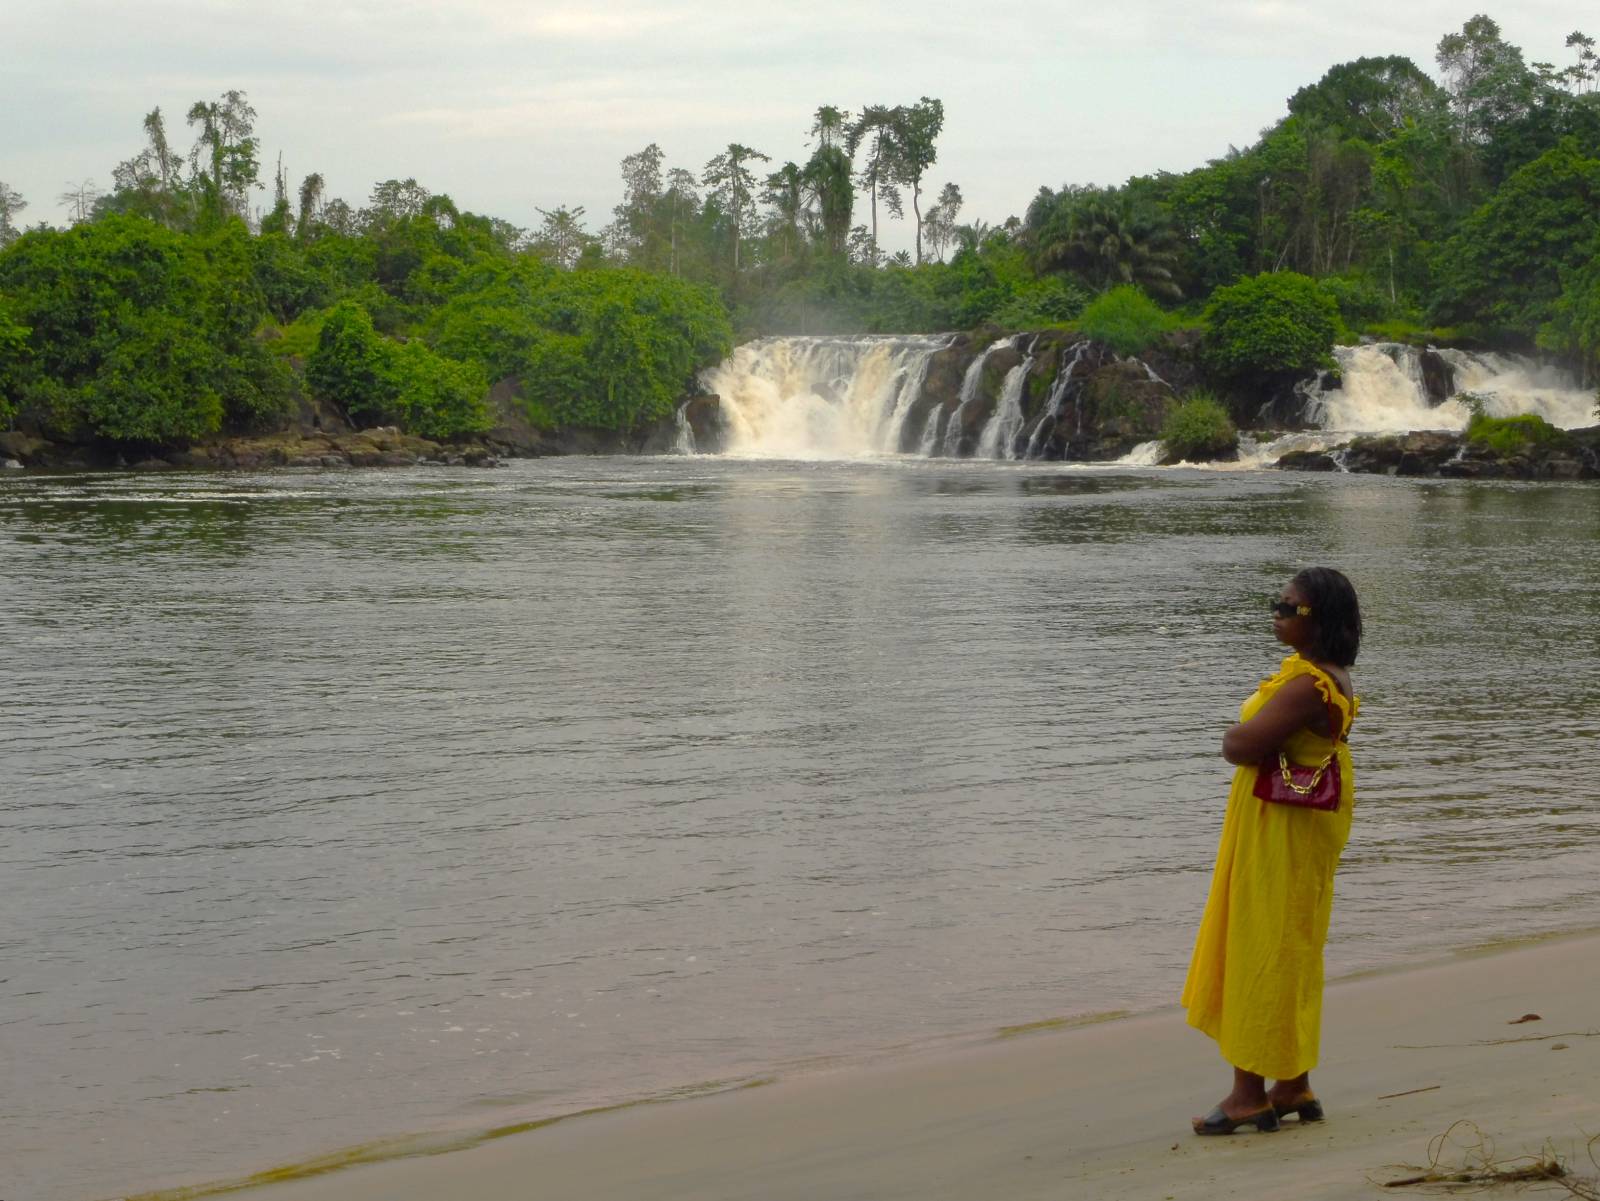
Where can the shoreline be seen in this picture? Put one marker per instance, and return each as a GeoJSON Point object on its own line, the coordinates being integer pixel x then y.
{"type": "Point", "coordinates": [1101, 1075]}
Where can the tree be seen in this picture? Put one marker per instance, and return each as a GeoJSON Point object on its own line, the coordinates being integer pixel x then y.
{"type": "Point", "coordinates": [635, 233]}
{"type": "Point", "coordinates": [1107, 242]}
{"type": "Point", "coordinates": [682, 199]}
{"type": "Point", "coordinates": [1504, 266]}
{"type": "Point", "coordinates": [830, 126]}
{"type": "Point", "coordinates": [1371, 98]}
{"type": "Point", "coordinates": [785, 192]}
{"type": "Point", "coordinates": [830, 188]}
{"type": "Point", "coordinates": [391, 201]}
{"type": "Point", "coordinates": [874, 128]}
{"type": "Point", "coordinates": [310, 205]}
{"type": "Point", "coordinates": [731, 181]}
{"type": "Point", "coordinates": [280, 219]}
{"type": "Point", "coordinates": [941, 220]}
{"type": "Point", "coordinates": [150, 183]}
{"type": "Point", "coordinates": [225, 157]}
{"type": "Point", "coordinates": [916, 134]}
{"type": "Point", "coordinates": [1581, 75]}
{"type": "Point", "coordinates": [11, 205]}
{"type": "Point", "coordinates": [562, 236]}
{"type": "Point", "coordinates": [1270, 328]}
{"type": "Point", "coordinates": [137, 334]}
{"type": "Point", "coordinates": [79, 200]}
{"type": "Point", "coordinates": [1485, 76]}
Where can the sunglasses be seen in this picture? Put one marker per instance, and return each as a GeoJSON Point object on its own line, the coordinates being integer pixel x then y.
{"type": "Point", "coordinates": [1285, 609]}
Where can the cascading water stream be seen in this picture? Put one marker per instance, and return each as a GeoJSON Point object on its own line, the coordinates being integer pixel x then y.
{"type": "Point", "coordinates": [1057, 394]}
{"type": "Point", "coordinates": [969, 392]}
{"type": "Point", "coordinates": [838, 397]}
{"type": "Point", "coordinates": [1383, 389]}
{"type": "Point", "coordinates": [999, 437]}
{"type": "Point", "coordinates": [853, 397]}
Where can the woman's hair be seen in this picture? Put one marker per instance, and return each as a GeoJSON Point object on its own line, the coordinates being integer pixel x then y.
{"type": "Point", "coordinates": [1334, 611]}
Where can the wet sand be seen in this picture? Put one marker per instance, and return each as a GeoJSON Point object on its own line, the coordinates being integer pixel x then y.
{"type": "Point", "coordinates": [1098, 1111]}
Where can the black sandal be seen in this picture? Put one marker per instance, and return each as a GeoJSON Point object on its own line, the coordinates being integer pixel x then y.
{"type": "Point", "coordinates": [1217, 1122]}
{"type": "Point", "coordinates": [1309, 1110]}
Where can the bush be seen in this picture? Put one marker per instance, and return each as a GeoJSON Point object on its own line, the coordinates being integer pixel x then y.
{"type": "Point", "coordinates": [1198, 429]}
{"type": "Point", "coordinates": [1509, 435]}
{"type": "Point", "coordinates": [1271, 326]}
{"type": "Point", "coordinates": [1125, 319]}
{"type": "Point", "coordinates": [1053, 300]}
{"type": "Point", "coordinates": [376, 381]}
{"type": "Point", "coordinates": [438, 397]}
{"type": "Point", "coordinates": [134, 333]}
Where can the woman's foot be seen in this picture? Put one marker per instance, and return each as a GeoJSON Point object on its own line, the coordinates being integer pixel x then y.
{"type": "Point", "coordinates": [1235, 1110]}
{"type": "Point", "coordinates": [1295, 1096]}
{"type": "Point", "coordinates": [1220, 1121]}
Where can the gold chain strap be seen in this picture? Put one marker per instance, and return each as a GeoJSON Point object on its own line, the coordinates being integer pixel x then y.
{"type": "Point", "coordinates": [1288, 777]}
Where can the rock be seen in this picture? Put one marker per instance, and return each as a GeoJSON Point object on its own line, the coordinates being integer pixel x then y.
{"type": "Point", "coordinates": [24, 448]}
{"type": "Point", "coordinates": [706, 422]}
{"type": "Point", "coordinates": [11, 465]}
{"type": "Point", "coordinates": [194, 458]}
{"type": "Point", "coordinates": [1307, 460]}
{"type": "Point", "coordinates": [152, 464]}
{"type": "Point", "coordinates": [1438, 376]}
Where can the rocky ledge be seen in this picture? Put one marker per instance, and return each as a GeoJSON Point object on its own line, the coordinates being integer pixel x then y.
{"type": "Point", "coordinates": [1574, 455]}
{"type": "Point", "coordinates": [383, 447]}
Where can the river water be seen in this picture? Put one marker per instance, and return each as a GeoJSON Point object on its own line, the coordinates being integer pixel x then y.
{"type": "Point", "coordinates": [348, 805]}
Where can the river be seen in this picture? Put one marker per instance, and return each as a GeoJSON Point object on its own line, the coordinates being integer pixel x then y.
{"type": "Point", "coordinates": [351, 805]}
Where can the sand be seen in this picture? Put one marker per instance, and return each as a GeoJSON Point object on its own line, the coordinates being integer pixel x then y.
{"type": "Point", "coordinates": [1097, 1111]}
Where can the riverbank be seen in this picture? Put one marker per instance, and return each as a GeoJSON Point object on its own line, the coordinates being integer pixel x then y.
{"type": "Point", "coordinates": [1099, 1111]}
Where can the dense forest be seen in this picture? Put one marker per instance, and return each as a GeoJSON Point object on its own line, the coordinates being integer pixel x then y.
{"type": "Point", "coordinates": [179, 303]}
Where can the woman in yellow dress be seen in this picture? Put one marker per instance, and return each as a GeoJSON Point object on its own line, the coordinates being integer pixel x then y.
{"type": "Point", "coordinates": [1255, 982]}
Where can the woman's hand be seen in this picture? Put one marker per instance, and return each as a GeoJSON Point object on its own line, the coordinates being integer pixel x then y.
{"type": "Point", "coordinates": [1297, 705]}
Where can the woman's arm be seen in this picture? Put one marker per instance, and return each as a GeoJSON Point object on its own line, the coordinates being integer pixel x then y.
{"type": "Point", "coordinates": [1295, 706]}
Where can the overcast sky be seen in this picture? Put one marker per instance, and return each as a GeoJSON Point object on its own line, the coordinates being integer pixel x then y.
{"type": "Point", "coordinates": [515, 106]}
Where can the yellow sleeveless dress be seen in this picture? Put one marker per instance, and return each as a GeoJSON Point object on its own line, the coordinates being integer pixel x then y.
{"type": "Point", "coordinates": [1255, 981]}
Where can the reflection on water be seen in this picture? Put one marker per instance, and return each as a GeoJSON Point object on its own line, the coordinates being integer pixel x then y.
{"type": "Point", "coordinates": [348, 804]}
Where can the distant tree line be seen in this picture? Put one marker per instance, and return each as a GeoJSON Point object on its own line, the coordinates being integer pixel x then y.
{"type": "Point", "coordinates": [1388, 201]}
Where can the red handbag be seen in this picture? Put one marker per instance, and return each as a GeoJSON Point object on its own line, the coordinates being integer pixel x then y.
{"type": "Point", "coordinates": [1285, 783]}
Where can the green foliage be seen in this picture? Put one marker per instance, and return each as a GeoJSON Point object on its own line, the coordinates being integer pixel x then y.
{"type": "Point", "coordinates": [1503, 269]}
{"type": "Point", "coordinates": [1053, 300]}
{"type": "Point", "coordinates": [1198, 429]}
{"type": "Point", "coordinates": [377, 381]}
{"type": "Point", "coordinates": [15, 361]}
{"type": "Point", "coordinates": [351, 364]}
{"type": "Point", "coordinates": [1125, 319]}
{"type": "Point", "coordinates": [1511, 435]}
{"type": "Point", "coordinates": [298, 339]}
{"type": "Point", "coordinates": [1573, 328]}
{"type": "Point", "coordinates": [138, 334]}
{"type": "Point", "coordinates": [1268, 326]}
{"type": "Point", "coordinates": [437, 397]}
{"type": "Point", "coordinates": [1107, 239]}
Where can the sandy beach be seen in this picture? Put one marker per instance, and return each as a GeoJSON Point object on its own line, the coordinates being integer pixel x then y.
{"type": "Point", "coordinates": [1096, 1111]}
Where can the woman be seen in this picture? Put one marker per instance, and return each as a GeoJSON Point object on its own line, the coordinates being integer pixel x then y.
{"type": "Point", "coordinates": [1255, 982]}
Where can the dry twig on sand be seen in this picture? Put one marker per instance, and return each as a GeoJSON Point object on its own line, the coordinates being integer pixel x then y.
{"type": "Point", "coordinates": [1472, 1152]}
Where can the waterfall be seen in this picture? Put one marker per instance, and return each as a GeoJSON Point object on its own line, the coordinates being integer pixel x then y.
{"type": "Point", "coordinates": [930, 434]}
{"type": "Point", "coordinates": [683, 443]}
{"type": "Point", "coordinates": [1058, 393]}
{"type": "Point", "coordinates": [1382, 390]}
{"type": "Point", "coordinates": [820, 397]}
{"type": "Point", "coordinates": [999, 437]}
{"type": "Point", "coordinates": [969, 392]}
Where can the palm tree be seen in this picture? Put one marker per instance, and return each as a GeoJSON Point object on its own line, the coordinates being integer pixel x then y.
{"type": "Point", "coordinates": [830, 187]}
{"type": "Point", "coordinates": [1107, 242]}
